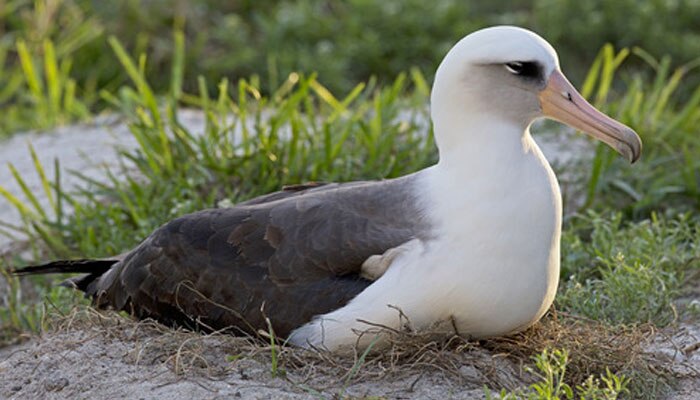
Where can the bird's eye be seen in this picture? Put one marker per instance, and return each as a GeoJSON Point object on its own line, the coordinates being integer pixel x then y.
{"type": "Point", "coordinates": [514, 68]}
{"type": "Point", "coordinates": [525, 69]}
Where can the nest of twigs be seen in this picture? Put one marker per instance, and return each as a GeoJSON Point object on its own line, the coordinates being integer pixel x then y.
{"type": "Point", "coordinates": [497, 363]}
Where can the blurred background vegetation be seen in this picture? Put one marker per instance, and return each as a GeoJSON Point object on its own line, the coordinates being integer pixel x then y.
{"type": "Point", "coordinates": [346, 42]}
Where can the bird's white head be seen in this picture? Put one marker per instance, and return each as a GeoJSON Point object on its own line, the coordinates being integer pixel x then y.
{"type": "Point", "coordinates": [510, 76]}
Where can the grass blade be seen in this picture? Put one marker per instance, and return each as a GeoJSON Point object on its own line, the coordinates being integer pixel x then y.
{"type": "Point", "coordinates": [26, 191]}
{"type": "Point", "coordinates": [42, 177]}
{"type": "Point", "coordinates": [53, 82]}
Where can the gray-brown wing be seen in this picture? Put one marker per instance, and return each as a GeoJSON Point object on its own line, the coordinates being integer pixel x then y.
{"type": "Point", "coordinates": [290, 258]}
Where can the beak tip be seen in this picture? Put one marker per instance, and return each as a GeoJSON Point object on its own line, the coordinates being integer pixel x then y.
{"type": "Point", "coordinates": [636, 156]}
{"type": "Point", "coordinates": [631, 154]}
{"type": "Point", "coordinates": [634, 144]}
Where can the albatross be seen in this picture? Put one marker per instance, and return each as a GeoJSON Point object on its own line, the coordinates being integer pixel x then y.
{"type": "Point", "coordinates": [473, 239]}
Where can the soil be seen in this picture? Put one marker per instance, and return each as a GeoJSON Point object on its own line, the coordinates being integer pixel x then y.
{"type": "Point", "coordinates": [84, 365]}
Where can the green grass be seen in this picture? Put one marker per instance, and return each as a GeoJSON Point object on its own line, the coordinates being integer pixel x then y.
{"type": "Point", "coordinates": [627, 272]}
{"type": "Point", "coordinates": [20, 315]}
{"type": "Point", "coordinates": [550, 371]}
{"type": "Point", "coordinates": [40, 93]}
{"type": "Point", "coordinates": [667, 176]}
{"type": "Point", "coordinates": [38, 90]}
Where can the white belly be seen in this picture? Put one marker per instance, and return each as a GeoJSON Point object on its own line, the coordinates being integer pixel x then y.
{"type": "Point", "coordinates": [500, 288]}
{"type": "Point", "coordinates": [496, 262]}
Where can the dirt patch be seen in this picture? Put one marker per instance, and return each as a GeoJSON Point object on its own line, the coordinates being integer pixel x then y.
{"type": "Point", "coordinates": [679, 347]}
{"type": "Point", "coordinates": [91, 354]}
{"type": "Point", "coordinates": [104, 355]}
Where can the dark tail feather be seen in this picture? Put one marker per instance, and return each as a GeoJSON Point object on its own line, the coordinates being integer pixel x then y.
{"type": "Point", "coordinates": [67, 267]}
{"type": "Point", "coordinates": [94, 269]}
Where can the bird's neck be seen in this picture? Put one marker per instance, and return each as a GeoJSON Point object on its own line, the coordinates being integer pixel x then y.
{"type": "Point", "coordinates": [493, 176]}
{"type": "Point", "coordinates": [489, 160]}
{"type": "Point", "coordinates": [471, 143]}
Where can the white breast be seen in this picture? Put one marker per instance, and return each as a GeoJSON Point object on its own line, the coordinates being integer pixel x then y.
{"type": "Point", "coordinates": [497, 256]}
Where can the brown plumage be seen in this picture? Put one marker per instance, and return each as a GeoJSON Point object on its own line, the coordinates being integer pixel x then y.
{"type": "Point", "coordinates": [287, 256]}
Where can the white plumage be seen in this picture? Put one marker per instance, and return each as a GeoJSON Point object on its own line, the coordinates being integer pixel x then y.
{"type": "Point", "coordinates": [491, 266]}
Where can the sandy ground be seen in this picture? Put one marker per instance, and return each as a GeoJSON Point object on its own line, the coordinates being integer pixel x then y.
{"type": "Point", "coordinates": [90, 361]}
{"type": "Point", "coordinates": [83, 364]}
{"type": "Point", "coordinates": [86, 148]}
{"type": "Point", "coordinates": [681, 347]}
{"type": "Point", "coordinates": [114, 360]}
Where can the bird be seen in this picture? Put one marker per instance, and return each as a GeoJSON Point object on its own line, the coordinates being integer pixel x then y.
{"type": "Point", "coordinates": [473, 239]}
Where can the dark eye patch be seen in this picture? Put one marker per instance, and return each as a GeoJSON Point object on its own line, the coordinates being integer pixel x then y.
{"type": "Point", "coordinates": [525, 69]}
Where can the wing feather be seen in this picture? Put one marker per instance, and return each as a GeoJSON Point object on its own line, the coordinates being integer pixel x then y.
{"type": "Point", "coordinates": [293, 254]}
